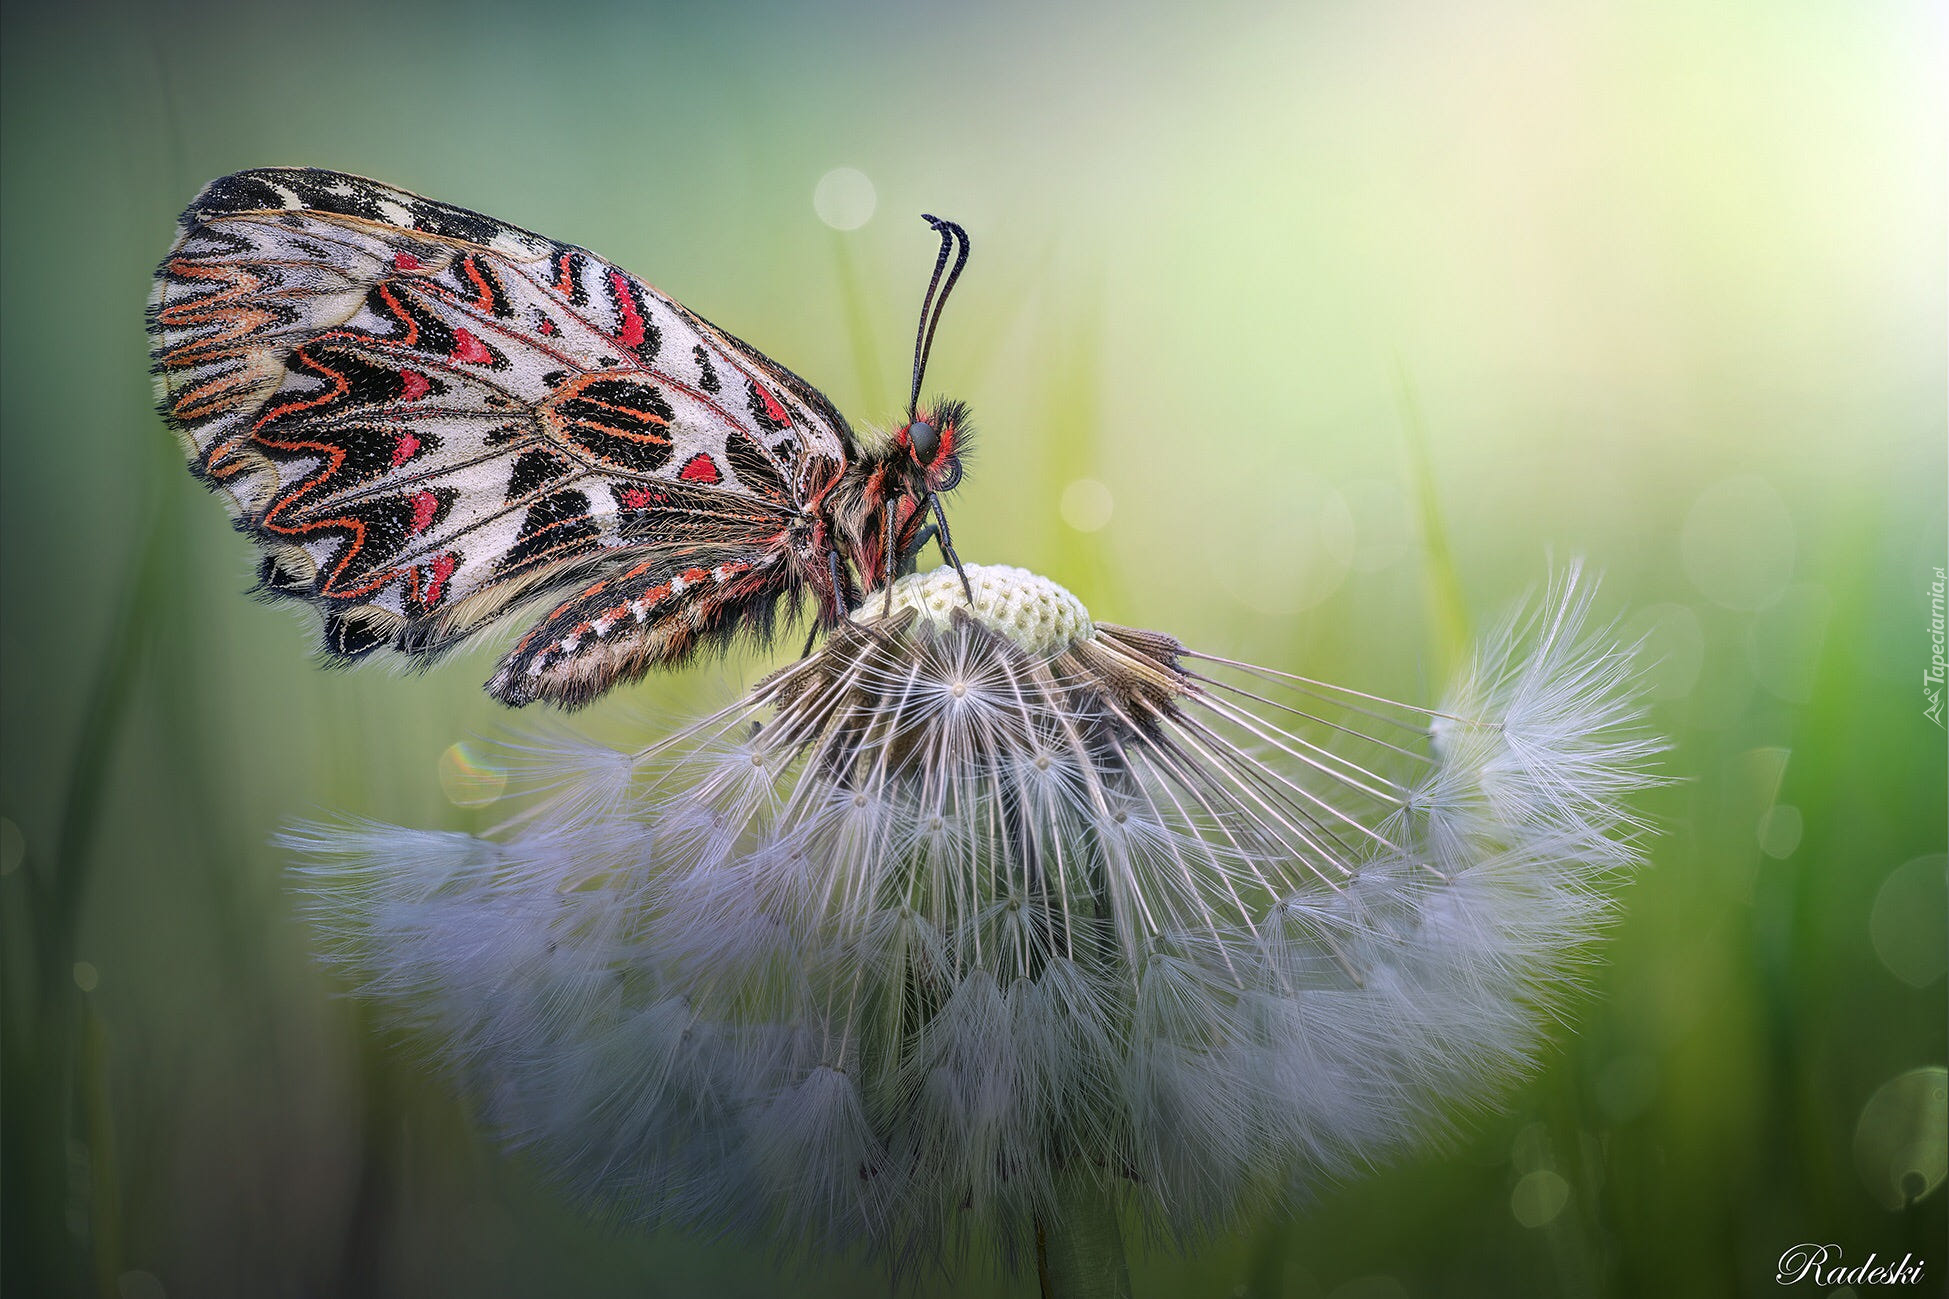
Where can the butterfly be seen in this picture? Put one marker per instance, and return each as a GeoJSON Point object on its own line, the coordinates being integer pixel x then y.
{"type": "Point", "coordinates": [426, 418]}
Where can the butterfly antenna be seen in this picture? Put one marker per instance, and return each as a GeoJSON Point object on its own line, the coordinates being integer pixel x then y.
{"type": "Point", "coordinates": [953, 240]}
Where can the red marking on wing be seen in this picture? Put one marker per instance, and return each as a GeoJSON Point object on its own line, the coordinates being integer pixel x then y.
{"type": "Point", "coordinates": [405, 262]}
{"type": "Point", "coordinates": [417, 385]}
{"type": "Point", "coordinates": [443, 566]}
{"type": "Point", "coordinates": [631, 334]}
{"type": "Point", "coordinates": [339, 387]}
{"type": "Point", "coordinates": [565, 282]}
{"type": "Point", "coordinates": [656, 595]}
{"type": "Point", "coordinates": [546, 328]}
{"type": "Point", "coordinates": [469, 349]}
{"type": "Point", "coordinates": [700, 468]}
{"type": "Point", "coordinates": [772, 408]}
{"type": "Point", "coordinates": [483, 294]}
{"type": "Point", "coordinates": [425, 505]}
{"type": "Point", "coordinates": [411, 338]}
{"type": "Point", "coordinates": [404, 450]}
{"type": "Point", "coordinates": [640, 498]}
{"type": "Point", "coordinates": [334, 458]}
{"type": "Point", "coordinates": [651, 598]}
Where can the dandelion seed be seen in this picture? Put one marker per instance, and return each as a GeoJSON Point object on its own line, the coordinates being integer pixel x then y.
{"type": "Point", "coordinates": [975, 906]}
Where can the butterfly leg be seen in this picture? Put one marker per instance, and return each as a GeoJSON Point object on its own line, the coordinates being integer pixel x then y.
{"type": "Point", "coordinates": [920, 541]}
{"type": "Point", "coordinates": [946, 543]}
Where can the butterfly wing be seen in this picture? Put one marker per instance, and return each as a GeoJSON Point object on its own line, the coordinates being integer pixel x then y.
{"type": "Point", "coordinates": [425, 416]}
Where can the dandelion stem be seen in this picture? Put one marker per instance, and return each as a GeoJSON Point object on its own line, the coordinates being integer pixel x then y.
{"type": "Point", "coordinates": [1079, 1246]}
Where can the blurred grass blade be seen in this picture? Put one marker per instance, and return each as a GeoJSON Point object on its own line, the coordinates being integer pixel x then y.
{"type": "Point", "coordinates": [1071, 437]}
{"type": "Point", "coordinates": [105, 1218]}
{"type": "Point", "coordinates": [42, 1071]}
{"type": "Point", "coordinates": [984, 333]}
{"type": "Point", "coordinates": [1448, 618]}
{"type": "Point", "coordinates": [868, 370]}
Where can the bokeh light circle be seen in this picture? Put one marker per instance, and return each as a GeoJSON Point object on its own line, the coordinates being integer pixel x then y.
{"type": "Point", "coordinates": [1086, 505]}
{"type": "Point", "coordinates": [140, 1285]}
{"type": "Point", "coordinates": [1737, 545]}
{"type": "Point", "coordinates": [1779, 830]}
{"type": "Point", "coordinates": [468, 779]}
{"type": "Point", "coordinates": [1530, 1151]}
{"type": "Point", "coordinates": [1900, 1147]}
{"type": "Point", "coordinates": [845, 198]}
{"type": "Point", "coordinates": [1288, 556]}
{"type": "Point", "coordinates": [1383, 529]}
{"type": "Point", "coordinates": [1905, 923]}
{"type": "Point", "coordinates": [1538, 1198]}
{"type": "Point", "coordinates": [1673, 650]}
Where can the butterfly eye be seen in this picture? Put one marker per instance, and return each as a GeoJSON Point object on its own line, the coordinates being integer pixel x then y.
{"type": "Point", "coordinates": [925, 439]}
{"type": "Point", "coordinates": [950, 476]}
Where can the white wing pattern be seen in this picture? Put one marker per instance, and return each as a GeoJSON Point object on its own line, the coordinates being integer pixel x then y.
{"type": "Point", "coordinates": [423, 416]}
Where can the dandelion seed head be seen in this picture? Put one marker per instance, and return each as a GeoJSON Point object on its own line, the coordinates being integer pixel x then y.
{"type": "Point", "coordinates": [977, 898]}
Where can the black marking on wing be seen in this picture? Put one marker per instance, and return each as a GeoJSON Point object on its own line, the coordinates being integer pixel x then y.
{"type": "Point", "coordinates": [317, 190]}
{"type": "Point", "coordinates": [554, 525]}
{"type": "Point", "coordinates": [534, 470]}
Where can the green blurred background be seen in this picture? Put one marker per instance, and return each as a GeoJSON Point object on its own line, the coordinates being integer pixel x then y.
{"type": "Point", "coordinates": [1301, 331]}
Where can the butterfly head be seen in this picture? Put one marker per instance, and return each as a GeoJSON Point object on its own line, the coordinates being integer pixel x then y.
{"type": "Point", "coordinates": [880, 507]}
{"type": "Point", "coordinates": [934, 442]}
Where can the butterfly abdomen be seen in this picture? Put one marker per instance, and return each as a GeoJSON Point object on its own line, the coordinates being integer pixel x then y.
{"type": "Point", "coordinates": [618, 628]}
